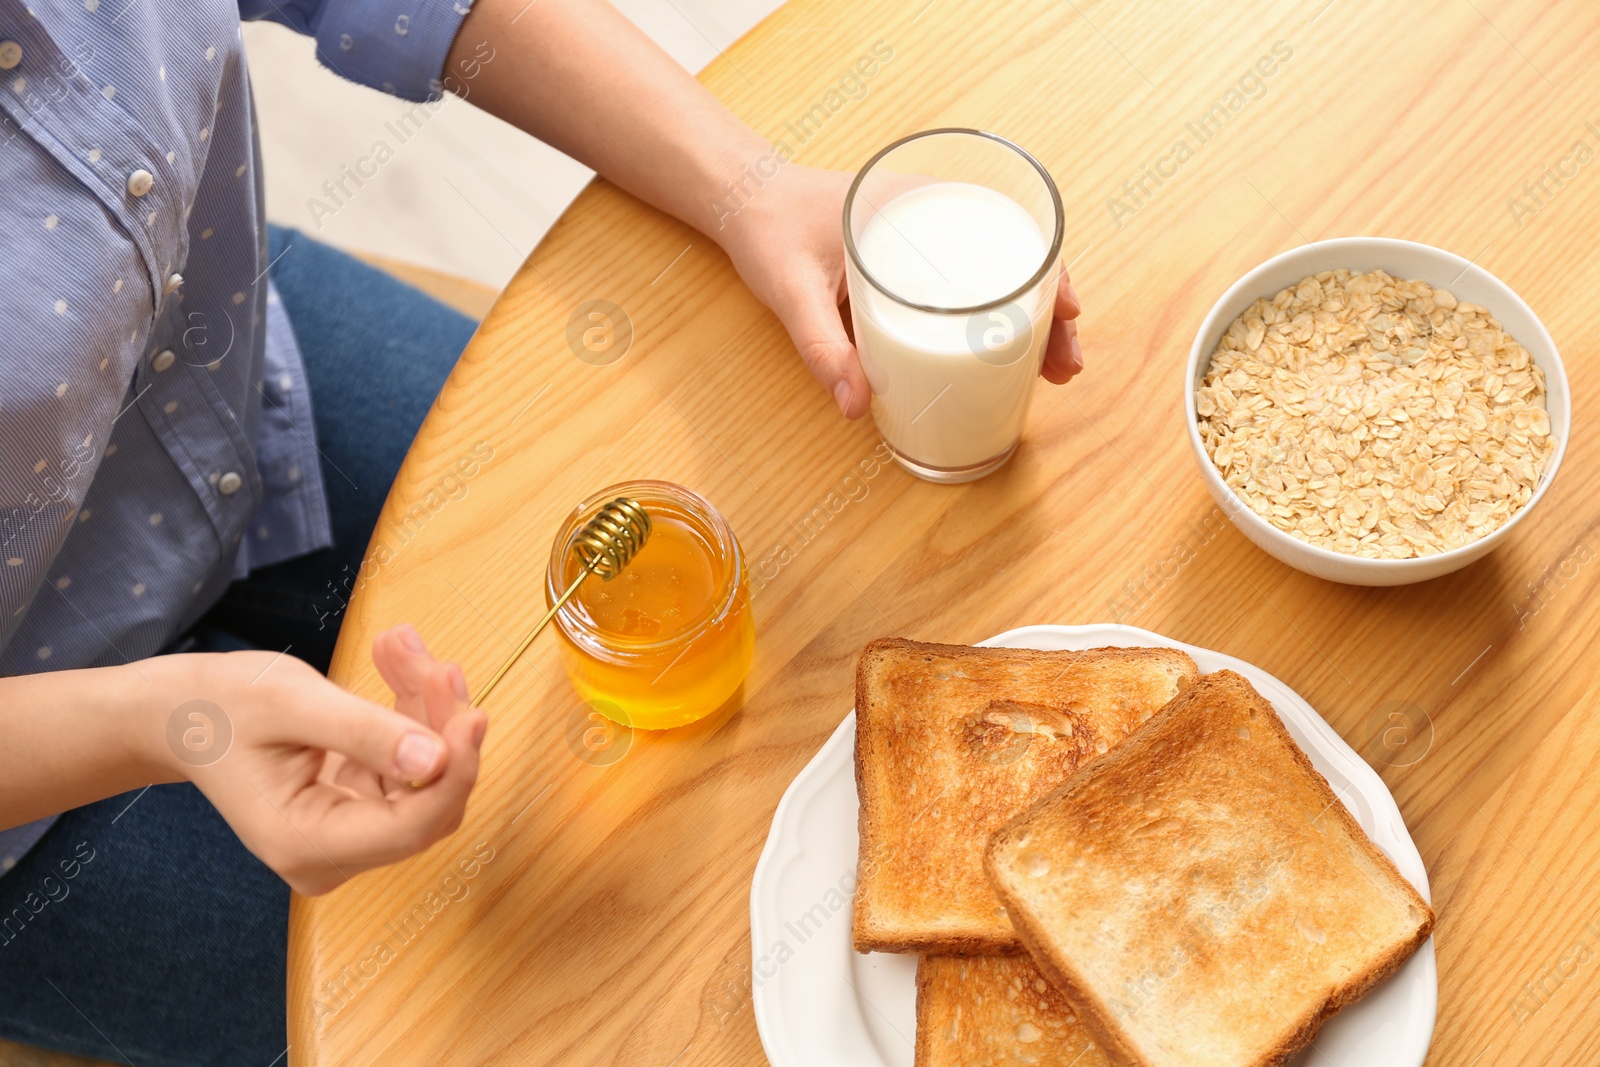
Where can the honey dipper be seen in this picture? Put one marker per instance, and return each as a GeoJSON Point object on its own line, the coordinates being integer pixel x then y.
{"type": "Point", "coordinates": [606, 544]}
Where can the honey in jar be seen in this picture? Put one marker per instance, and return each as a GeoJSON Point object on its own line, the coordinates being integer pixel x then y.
{"type": "Point", "coordinates": [669, 640]}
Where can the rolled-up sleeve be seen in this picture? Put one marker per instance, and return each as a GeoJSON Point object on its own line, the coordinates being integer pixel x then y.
{"type": "Point", "coordinates": [396, 46]}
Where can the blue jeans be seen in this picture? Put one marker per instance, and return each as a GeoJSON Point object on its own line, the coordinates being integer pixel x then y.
{"type": "Point", "coordinates": [139, 930]}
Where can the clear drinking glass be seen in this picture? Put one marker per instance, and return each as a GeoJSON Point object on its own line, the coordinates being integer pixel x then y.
{"type": "Point", "coordinates": [953, 242]}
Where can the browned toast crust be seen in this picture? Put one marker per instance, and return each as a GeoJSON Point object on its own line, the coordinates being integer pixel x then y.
{"type": "Point", "coordinates": [951, 742]}
{"type": "Point", "coordinates": [1277, 803]}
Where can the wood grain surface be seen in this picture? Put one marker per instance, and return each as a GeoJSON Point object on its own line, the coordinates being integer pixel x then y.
{"type": "Point", "coordinates": [605, 919]}
{"type": "Point", "coordinates": [26, 1056]}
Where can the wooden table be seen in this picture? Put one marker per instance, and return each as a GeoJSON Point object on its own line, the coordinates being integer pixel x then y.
{"type": "Point", "coordinates": [605, 917]}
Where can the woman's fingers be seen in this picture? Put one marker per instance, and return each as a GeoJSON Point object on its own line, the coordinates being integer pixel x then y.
{"type": "Point", "coordinates": [406, 665]}
{"type": "Point", "coordinates": [810, 312]}
{"type": "Point", "coordinates": [353, 835]}
{"type": "Point", "coordinates": [383, 741]}
{"type": "Point", "coordinates": [1063, 358]}
{"type": "Point", "coordinates": [353, 777]}
{"type": "Point", "coordinates": [441, 803]}
{"type": "Point", "coordinates": [403, 661]}
{"type": "Point", "coordinates": [1067, 305]}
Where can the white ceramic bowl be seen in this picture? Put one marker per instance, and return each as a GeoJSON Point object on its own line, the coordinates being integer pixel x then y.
{"type": "Point", "coordinates": [1405, 260]}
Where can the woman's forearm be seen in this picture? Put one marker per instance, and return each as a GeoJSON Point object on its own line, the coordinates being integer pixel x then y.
{"type": "Point", "coordinates": [579, 76]}
{"type": "Point", "coordinates": [71, 737]}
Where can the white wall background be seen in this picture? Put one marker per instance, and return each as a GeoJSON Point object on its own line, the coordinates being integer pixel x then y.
{"type": "Point", "coordinates": [468, 194]}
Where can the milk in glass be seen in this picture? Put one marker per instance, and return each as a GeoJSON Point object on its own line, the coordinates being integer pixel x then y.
{"type": "Point", "coordinates": [951, 390]}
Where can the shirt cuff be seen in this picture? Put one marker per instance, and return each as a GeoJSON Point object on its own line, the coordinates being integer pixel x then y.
{"type": "Point", "coordinates": [396, 46]}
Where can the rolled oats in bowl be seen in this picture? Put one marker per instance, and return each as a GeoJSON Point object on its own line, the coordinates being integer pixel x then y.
{"type": "Point", "coordinates": [1375, 417]}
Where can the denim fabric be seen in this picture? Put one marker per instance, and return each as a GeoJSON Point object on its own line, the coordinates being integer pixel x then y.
{"type": "Point", "coordinates": [139, 930]}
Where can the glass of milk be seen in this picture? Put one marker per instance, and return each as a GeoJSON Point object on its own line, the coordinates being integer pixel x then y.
{"type": "Point", "coordinates": [953, 242]}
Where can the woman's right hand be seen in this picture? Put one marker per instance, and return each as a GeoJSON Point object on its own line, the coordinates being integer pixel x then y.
{"type": "Point", "coordinates": [317, 782]}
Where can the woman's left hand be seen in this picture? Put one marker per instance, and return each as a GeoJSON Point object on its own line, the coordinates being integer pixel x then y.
{"type": "Point", "coordinates": [787, 244]}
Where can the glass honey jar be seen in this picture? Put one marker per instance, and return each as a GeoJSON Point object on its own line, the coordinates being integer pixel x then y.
{"type": "Point", "coordinates": [670, 639]}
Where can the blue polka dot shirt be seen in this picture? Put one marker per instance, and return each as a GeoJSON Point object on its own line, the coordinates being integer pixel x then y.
{"type": "Point", "coordinates": [156, 438]}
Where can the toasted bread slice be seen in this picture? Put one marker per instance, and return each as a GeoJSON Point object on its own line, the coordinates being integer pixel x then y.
{"type": "Point", "coordinates": [951, 742]}
{"type": "Point", "coordinates": [1200, 895]}
{"type": "Point", "coordinates": [996, 1011]}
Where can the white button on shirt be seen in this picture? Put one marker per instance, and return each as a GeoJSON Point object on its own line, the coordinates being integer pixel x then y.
{"type": "Point", "coordinates": [164, 359]}
{"type": "Point", "coordinates": [140, 182]}
{"type": "Point", "coordinates": [10, 55]}
{"type": "Point", "coordinates": [229, 483]}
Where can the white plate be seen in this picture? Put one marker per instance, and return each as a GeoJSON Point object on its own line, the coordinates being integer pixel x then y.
{"type": "Point", "coordinates": [819, 1003]}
